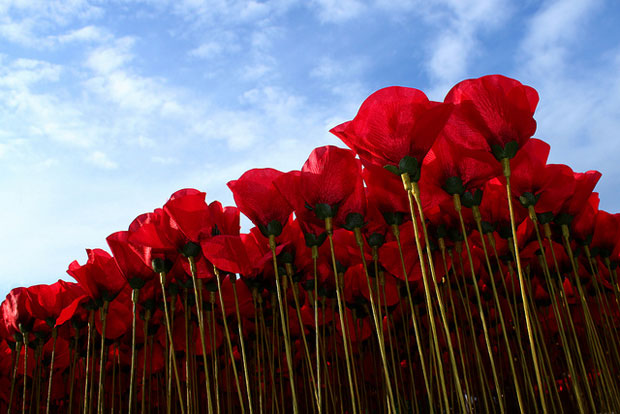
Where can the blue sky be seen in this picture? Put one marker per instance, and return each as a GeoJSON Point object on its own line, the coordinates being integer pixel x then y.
{"type": "Point", "coordinates": [107, 107]}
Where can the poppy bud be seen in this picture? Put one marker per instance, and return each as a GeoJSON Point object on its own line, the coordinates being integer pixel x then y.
{"type": "Point", "coordinates": [190, 249]}
{"type": "Point", "coordinates": [410, 165]}
{"type": "Point", "coordinates": [159, 265]}
{"type": "Point", "coordinates": [354, 221]}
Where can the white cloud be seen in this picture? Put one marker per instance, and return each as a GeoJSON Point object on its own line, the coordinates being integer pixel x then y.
{"type": "Point", "coordinates": [551, 32]}
{"type": "Point", "coordinates": [85, 34]}
{"type": "Point", "coordinates": [216, 43]}
{"type": "Point", "coordinates": [27, 22]}
{"type": "Point", "coordinates": [108, 58]}
{"type": "Point", "coordinates": [101, 160]}
{"type": "Point", "coordinates": [579, 101]}
{"type": "Point", "coordinates": [460, 22]}
{"type": "Point", "coordinates": [331, 70]}
{"type": "Point", "coordinates": [164, 160]}
{"type": "Point", "coordinates": [335, 11]}
{"type": "Point", "coordinates": [23, 73]}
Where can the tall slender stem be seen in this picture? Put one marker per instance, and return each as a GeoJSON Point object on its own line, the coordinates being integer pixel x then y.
{"type": "Point", "coordinates": [104, 320]}
{"type": "Point", "coordinates": [228, 340]}
{"type": "Point", "coordinates": [244, 358]}
{"type": "Point", "coordinates": [162, 280]}
{"type": "Point", "coordinates": [524, 298]}
{"type": "Point", "coordinates": [199, 314]}
{"type": "Point", "coordinates": [49, 384]}
{"type": "Point", "coordinates": [135, 293]}
{"type": "Point", "coordinates": [287, 343]}
{"type": "Point", "coordinates": [342, 316]}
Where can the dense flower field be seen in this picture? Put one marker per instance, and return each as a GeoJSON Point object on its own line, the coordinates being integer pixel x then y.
{"type": "Point", "coordinates": [438, 264]}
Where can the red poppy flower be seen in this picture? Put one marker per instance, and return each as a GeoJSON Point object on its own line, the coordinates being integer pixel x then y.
{"type": "Point", "coordinates": [457, 169]}
{"type": "Point", "coordinates": [534, 183]}
{"type": "Point", "coordinates": [496, 111]}
{"type": "Point", "coordinates": [118, 317]}
{"type": "Point", "coordinates": [605, 236]}
{"type": "Point", "coordinates": [584, 185]}
{"type": "Point", "coordinates": [131, 260]}
{"type": "Point", "coordinates": [15, 312]}
{"type": "Point", "coordinates": [260, 200]}
{"type": "Point", "coordinates": [328, 185]}
{"type": "Point", "coordinates": [385, 189]}
{"type": "Point", "coordinates": [46, 302]}
{"type": "Point", "coordinates": [100, 277]}
{"type": "Point", "coordinates": [582, 226]}
{"type": "Point", "coordinates": [394, 123]}
{"type": "Point", "coordinates": [190, 213]}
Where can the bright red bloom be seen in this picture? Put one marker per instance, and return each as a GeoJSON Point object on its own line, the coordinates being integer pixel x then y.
{"type": "Point", "coordinates": [189, 213]}
{"type": "Point", "coordinates": [258, 198]}
{"type": "Point", "coordinates": [584, 185]}
{"type": "Point", "coordinates": [605, 236]}
{"type": "Point", "coordinates": [385, 189]}
{"type": "Point", "coordinates": [15, 313]}
{"type": "Point", "coordinates": [100, 277]}
{"type": "Point", "coordinates": [46, 302]}
{"type": "Point", "coordinates": [328, 185]}
{"type": "Point", "coordinates": [495, 111]}
{"type": "Point", "coordinates": [131, 263]}
{"type": "Point", "coordinates": [393, 123]}
{"type": "Point", "coordinates": [533, 182]}
{"type": "Point", "coordinates": [582, 226]}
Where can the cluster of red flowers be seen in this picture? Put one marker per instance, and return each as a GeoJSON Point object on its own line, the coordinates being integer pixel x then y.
{"type": "Point", "coordinates": [438, 264]}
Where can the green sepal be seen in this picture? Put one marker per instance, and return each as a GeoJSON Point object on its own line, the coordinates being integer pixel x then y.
{"type": "Point", "coordinates": [314, 240]}
{"type": "Point", "coordinates": [286, 257]}
{"type": "Point", "coordinates": [410, 166]}
{"type": "Point", "coordinates": [392, 168]}
{"type": "Point", "coordinates": [564, 218]}
{"type": "Point", "coordinates": [392, 218]}
{"type": "Point", "coordinates": [528, 199]}
{"type": "Point", "coordinates": [136, 283]}
{"type": "Point", "coordinates": [211, 286]}
{"type": "Point", "coordinates": [308, 284]}
{"type": "Point", "coordinates": [159, 265]}
{"type": "Point", "coordinates": [149, 305]}
{"type": "Point", "coordinates": [545, 218]}
{"type": "Point", "coordinates": [190, 249]}
{"type": "Point", "coordinates": [376, 240]}
{"type": "Point", "coordinates": [353, 221]}
{"type": "Point", "coordinates": [469, 199]}
{"type": "Point", "coordinates": [324, 211]}
{"type": "Point", "coordinates": [173, 288]}
{"type": "Point", "coordinates": [274, 228]}
{"type": "Point", "coordinates": [509, 150]}
{"type": "Point", "coordinates": [454, 185]}
{"type": "Point", "coordinates": [441, 231]}
{"type": "Point", "coordinates": [487, 227]}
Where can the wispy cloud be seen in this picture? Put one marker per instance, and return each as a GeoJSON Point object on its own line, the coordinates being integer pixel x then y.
{"type": "Point", "coordinates": [458, 24]}
{"type": "Point", "coordinates": [578, 99]}
{"type": "Point", "coordinates": [334, 11]}
{"type": "Point", "coordinates": [101, 160]}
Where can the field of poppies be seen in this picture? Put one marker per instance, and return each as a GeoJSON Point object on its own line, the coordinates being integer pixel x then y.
{"type": "Point", "coordinates": [439, 264]}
